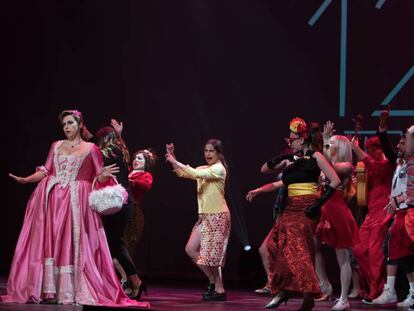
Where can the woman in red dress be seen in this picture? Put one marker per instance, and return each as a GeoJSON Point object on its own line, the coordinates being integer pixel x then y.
{"type": "Point", "coordinates": [337, 227]}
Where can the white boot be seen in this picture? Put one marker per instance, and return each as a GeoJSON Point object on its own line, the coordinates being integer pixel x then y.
{"type": "Point", "coordinates": [387, 296]}
{"type": "Point", "coordinates": [408, 301]}
{"type": "Point", "coordinates": [341, 305]}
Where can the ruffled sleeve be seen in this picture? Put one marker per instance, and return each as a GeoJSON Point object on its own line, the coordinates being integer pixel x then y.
{"type": "Point", "coordinates": [47, 168]}
{"type": "Point", "coordinates": [97, 159]}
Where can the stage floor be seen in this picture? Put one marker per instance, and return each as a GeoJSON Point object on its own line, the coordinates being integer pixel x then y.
{"type": "Point", "coordinates": [188, 297]}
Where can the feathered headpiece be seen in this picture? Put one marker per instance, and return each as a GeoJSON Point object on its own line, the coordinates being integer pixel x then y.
{"type": "Point", "coordinates": [298, 126]}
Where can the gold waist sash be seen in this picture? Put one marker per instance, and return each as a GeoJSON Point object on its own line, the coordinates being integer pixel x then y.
{"type": "Point", "coordinates": [302, 189]}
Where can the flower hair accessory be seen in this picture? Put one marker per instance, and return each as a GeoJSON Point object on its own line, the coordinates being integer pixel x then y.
{"type": "Point", "coordinates": [297, 126]}
{"type": "Point", "coordinates": [76, 113]}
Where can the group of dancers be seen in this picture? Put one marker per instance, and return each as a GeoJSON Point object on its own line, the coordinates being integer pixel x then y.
{"type": "Point", "coordinates": [68, 254]}
{"type": "Point", "coordinates": [316, 181]}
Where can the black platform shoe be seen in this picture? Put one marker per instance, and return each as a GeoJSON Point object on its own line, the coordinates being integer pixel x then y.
{"type": "Point", "coordinates": [210, 289]}
{"type": "Point", "coordinates": [214, 296]}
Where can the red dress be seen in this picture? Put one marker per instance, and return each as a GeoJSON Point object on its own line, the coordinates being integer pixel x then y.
{"type": "Point", "coordinates": [337, 226]}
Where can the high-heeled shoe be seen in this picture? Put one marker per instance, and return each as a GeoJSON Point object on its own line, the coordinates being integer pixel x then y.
{"type": "Point", "coordinates": [264, 291]}
{"type": "Point", "coordinates": [307, 305]}
{"type": "Point", "coordinates": [326, 292]}
{"type": "Point", "coordinates": [324, 297]}
{"type": "Point", "coordinates": [277, 301]}
{"type": "Point", "coordinates": [141, 288]}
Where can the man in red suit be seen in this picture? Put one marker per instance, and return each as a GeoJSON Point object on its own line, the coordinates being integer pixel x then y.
{"type": "Point", "coordinates": [368, 252]}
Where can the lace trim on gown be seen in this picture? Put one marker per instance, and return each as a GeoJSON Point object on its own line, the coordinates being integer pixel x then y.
{"type": "Point", "coordinates": [60, 280]}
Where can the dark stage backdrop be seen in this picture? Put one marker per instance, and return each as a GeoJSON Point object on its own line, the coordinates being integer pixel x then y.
{"type": "Point", "coordinates": [184, 71]}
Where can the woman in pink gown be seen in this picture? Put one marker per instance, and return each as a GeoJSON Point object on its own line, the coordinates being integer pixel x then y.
{"type": "Point", "coordinates": [62, 254]}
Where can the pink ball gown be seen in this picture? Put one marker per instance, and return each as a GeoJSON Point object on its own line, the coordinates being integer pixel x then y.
{"type": "Point", "coordinates": [62, 251]}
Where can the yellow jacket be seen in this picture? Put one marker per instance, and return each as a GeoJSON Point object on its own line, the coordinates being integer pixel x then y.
{"type": "Point", "coordinates": [211, 181]}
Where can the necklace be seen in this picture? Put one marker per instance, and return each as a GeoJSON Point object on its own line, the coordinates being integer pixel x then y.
{"type": "Point", "coordinates": [74, 144]}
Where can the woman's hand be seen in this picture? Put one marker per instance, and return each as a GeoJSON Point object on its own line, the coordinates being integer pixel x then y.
{"type": "Point", "coordinates": [118, 127]}
{"type": "Point", "coordinates": [355, 142]}
{"type": "Point", "coordinates": [169, 148]}
{"type": "Point", "coordinates": [20, 180]}
{"type": "Point", "coordinates": [328, 130]}
{"type": "Point", "coordinates": [391, 206]}
{"type": "Point", "coordinates": [169, 157]}
{"type": "Point", "coordinates": [109, 171]}
{"type": "Point", "coordinates": [383, 119]}
{"type": "Point", "coordinates": [251, 195]}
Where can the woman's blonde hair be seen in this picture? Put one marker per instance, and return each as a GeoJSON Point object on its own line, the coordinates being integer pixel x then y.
{"type": "Point", "coordinates": [343, 148]}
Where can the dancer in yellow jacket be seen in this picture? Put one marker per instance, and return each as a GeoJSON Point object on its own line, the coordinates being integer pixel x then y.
{"type": "Point", "coordinates": [209, 238]}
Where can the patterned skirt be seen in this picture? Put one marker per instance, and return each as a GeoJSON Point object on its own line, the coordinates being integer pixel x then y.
{"type": "Point", "coordinates": [215, 232]}
{"type": "Point", "coordinates": [291, 249]}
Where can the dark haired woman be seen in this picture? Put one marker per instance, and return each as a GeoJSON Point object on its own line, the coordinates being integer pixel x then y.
{"type": "Point", "coordinates": [140, 181]}
{"type": "Point", "coordinates": [115, 152]}
{"type": "Point", "coordinates": [62, 254]}
{"type": "Point", "coordinates": [208, 241]}
{"type": "Point", "coordinates": [292, 253]}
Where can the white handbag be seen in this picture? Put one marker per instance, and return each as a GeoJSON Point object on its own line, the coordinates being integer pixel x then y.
{"type": "Point", "coordinates": [108, 200]}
